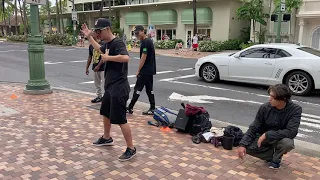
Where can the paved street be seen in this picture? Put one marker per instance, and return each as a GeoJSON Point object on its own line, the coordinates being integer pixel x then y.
{"type": "Point", "coordinates": [230, 102]}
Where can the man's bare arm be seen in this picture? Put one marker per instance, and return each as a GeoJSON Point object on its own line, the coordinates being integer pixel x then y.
{"type": "Point", "coordinates": [88, 62]}
{"type": "Point", "coordinates": [95, 44]}
{"type": "Point", "coordinates": [142, 61]}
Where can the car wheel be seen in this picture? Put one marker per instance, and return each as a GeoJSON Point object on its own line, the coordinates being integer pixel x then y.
{"type": "Point", "coordinates": [300, 83]}
{"type": "Point", "coordinates": [209, 73]}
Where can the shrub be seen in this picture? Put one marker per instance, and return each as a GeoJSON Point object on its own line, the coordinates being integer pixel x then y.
{"type": "Point", "coordinates": [210, 46]}
{"type": "Point", "coordinates": [56, 39]}
{"type": "Point", "coordinates": [167, 44]}
{"type": "Point", "coordinates": [17, 38]}
{"type": "Point", "coordinates": [232, 44]}
{"type": "Point", "coordinates": [178, 41]}
{"type": "Point", "coordinates": [246, 45]}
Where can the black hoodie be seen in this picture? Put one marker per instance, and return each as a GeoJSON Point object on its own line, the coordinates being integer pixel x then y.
{"type": "Point", "coordinates": [277, 124]}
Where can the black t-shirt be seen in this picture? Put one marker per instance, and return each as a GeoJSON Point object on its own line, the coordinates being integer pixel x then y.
{"type": "Point", "coordinates": [116, 80]}
{"type": "Point", "coordinates": [96, 57]}
{"type": "Point", "coordinates": [147, 47]}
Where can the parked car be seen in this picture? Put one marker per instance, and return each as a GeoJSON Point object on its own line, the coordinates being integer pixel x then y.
{"type": "Point", "coordinates": [265, 64]}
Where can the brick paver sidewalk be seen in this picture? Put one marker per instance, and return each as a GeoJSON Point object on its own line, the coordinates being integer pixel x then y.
{"type": "Point", "coordinates": [50, 137]}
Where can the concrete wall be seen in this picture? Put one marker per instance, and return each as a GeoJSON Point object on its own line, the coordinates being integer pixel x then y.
{"type": "Point", "coordinates": [236, 25]}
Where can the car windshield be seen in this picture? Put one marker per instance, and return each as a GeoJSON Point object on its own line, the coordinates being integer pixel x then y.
{"type": "Point", "coordinates": [310, 50]}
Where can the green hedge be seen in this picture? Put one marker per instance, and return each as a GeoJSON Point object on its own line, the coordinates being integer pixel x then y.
{"type": "Point", "coordinates": [216, 46]}
{"type": "Point", "coordinates": [56, 39]}
{"type": "Point", "coordinates": [167, 44]}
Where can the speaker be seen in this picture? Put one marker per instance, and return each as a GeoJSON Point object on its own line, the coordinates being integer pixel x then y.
{"type": "Point", "coordinates": [274, 17]}
{"type": "Point", "coordinates": [286, 17]}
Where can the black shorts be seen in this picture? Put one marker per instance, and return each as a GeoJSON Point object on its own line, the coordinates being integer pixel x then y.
{"type": "Point", "coordinates": [144, 81]}
{"type": "Point", "coordinates": [114, 108]}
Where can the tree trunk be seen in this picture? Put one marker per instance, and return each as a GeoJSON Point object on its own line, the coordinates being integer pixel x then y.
{"type": "Point", "coordinates": [254, 31]}
{"type": "Point", "coordinates": [49, 17]}
{"type": "Point", "coordinates": [110, 11]}
{"type": "Point", "coordinates": [295, 24]}
{"type": "Point", "coordinates": [4, 18]}
{"type": "Point", "coordinates": [62, 23]}
{"type": "Point", "coordinates": [195, 29]}
{"type": "Point", "coordinates": [22, 18]}
{"type": "Point", "coordinates": [16, 16]}
{"type": "Point", "coordinates": [25, 18]}
{"type": "Point", "coordinates": [101, 8]}
{"type": "Point", "coordinates": [57, 17]}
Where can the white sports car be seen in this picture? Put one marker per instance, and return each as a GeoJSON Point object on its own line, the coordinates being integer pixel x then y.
{"type": "Point", "coordinates": [265, 64]}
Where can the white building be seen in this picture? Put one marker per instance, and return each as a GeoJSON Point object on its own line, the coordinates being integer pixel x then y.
{"type": "Point", "coordinates": [216, 18]}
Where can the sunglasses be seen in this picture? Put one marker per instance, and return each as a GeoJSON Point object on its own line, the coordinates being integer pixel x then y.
{"type": "Point", "coordinates": [98, 31]}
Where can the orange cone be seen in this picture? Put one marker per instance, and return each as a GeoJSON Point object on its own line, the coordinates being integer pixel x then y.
{"type": "Point", "coordinates": [165, 129]}
{"type": "Point", "coordinates": [13, 96]}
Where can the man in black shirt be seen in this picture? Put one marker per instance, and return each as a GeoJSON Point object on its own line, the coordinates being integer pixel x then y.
{"type": "Point", "coordinates": [98, 74]}
{"type": "Point", "coordinates": [117, 89]}
{"type": "Point", "coordinates": [147, 68]}
{"type": "Point", "coordinates": [271, 134]}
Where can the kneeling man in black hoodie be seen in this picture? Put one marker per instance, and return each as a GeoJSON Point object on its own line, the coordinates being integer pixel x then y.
{"type": "Point", "coordinates": [271, 134]}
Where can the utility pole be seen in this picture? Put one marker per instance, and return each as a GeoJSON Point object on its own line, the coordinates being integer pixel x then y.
{"type": "Point", "coordinates": [37, 83]}
{"type": "Point", "coordinates": [282, 8]}
{"type": "Point", "coordinates": [195, 17]}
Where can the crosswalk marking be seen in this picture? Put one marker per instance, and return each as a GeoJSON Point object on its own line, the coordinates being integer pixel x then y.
{"type": "Point", "coordinates": [160, 72]}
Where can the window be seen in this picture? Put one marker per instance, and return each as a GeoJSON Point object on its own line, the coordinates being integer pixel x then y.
{"type": "Point", "coordinates": [203, 34]}
{"type": "Point", "coordinates": [259, 53]}
{"type": "Point", "coordinates": [96, 5]}
{"type": "Point", "coordinates": [282, 53]}
{"type": "Point", "coordinates": [79, 7]}
{"type": "Point", "coordinates": [88, 6]}
{"type": "Point", "coordinates": [166, 34]}
{"type": "Point", "coordinates": [310, 50]}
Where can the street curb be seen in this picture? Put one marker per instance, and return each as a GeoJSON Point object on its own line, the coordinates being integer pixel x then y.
{"type": "Point", "coordinates": [302, 147]}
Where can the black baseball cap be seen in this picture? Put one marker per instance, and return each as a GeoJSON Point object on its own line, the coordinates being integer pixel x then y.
{"type": "Point", "coordinates": [138, 29]}
{"type": "Point", "coordinates": [102, 23]}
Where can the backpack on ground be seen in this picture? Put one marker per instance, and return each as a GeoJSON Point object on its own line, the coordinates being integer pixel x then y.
{"type": "Point", "coordinates": [165, 117]}
{"type": "Point", "coordinates": [200, 123]}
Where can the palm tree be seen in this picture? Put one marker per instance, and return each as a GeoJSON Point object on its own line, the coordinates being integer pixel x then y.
{"type": "Point", "coordinates": [61, 16]}
{"type": "Point", "coordinates": [16, 16]}
{"type": "Point", "coordinates": [23, 19]}
{"type": "Point", "coordinates": [57, 17]}
{"type": "Point", "coordinates": [252, 10]}
{"type": "Point", "coordinates": [49, 15]}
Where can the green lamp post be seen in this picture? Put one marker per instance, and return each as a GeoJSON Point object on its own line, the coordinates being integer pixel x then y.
{"type": "Point", "coordinates": [282, 9]}
{"type": "Point", "coordinates": [37, 83]}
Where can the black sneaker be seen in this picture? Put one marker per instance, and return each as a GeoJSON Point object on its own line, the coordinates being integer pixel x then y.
{"type": "Point", "coordinates": [274, 165]}
{"type": "Point", "coordinates": [129, 111]}
{"type": "Point", "coordinates": [103, 142]}
{"type": "Point", "coordinates": [96, 100]}
{"type": "Point", "coordinates": [150, 112]}
{"type": "Point", "coordinates": [129, 154]}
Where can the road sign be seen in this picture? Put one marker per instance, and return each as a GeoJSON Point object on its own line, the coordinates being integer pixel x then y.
{"type": "Point", "coordinates": [283, 7]}
{"type": "Point", "coordinates": [74, 16]}
{"type": "Point", "coordinates": [36, 2]}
